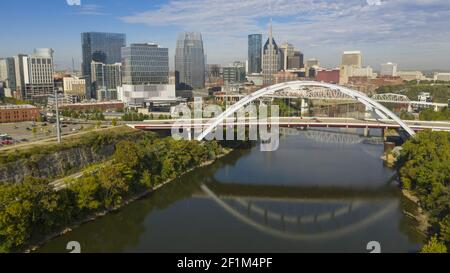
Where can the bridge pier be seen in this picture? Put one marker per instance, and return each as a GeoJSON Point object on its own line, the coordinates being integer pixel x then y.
{"type": "Point", "coordinates": [366, 132]}
{"type": "Point", "coordinates": [304, 107]}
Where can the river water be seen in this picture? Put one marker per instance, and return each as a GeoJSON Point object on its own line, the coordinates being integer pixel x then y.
{"type": "Point", "coordinates": [321, 191]}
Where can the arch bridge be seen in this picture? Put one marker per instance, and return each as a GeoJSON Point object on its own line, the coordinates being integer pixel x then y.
{"type": "Point", "coordinates": [279, 89]}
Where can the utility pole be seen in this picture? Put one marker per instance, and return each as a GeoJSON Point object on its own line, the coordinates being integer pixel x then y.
{"type": "Point", "coordinates": [58, 127]}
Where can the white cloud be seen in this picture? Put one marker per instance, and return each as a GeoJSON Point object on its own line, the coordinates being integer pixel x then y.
{"type": "Point", "coordinates": [73, 2]}
{"type": "Point", "coordinates": [306, 23]}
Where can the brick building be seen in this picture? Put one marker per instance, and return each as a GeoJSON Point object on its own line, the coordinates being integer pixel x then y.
{"type": "Point", "coordinates": [18, 113]}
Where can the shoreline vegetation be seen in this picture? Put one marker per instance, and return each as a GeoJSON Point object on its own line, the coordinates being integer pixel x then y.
{"type": "Point", "coordinates": [424, 170]}
{"type": "Point", "coordinates": [33, 212]}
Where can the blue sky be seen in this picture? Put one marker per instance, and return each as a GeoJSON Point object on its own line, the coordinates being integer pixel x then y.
{"type": "Point", "coordinates": [413, 33]}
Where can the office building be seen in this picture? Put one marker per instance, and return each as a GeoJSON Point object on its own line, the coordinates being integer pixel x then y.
{"type": "Point", "coordinates": [105, 79]}
{"type": "Point", "coordinates": [295, 61]}
{"type": "Point", "coordinates": [139, 96]}
{"type": "Point", "coordinates": [411, 75]}
{"type": "Point", "coordinates": [145, 64]}
{"type": "Point", "coordinates": [74, 87]}
{"type": "Point", "coordinates": [145, 75]}
{"type": "Point", "coordinates": [18, 113]}
{"type": "Point", "coordinates": [234, 73]}
{"type": "Point", "coordinates": [100, 47]}
{"type": "Point", "coordinates": [7, 73]}
{"type": "Point", "coordinates": [271, 59]}
{"type": "Point", "coordinates": [190, 61]}
{"type": "Point", "coordinates": [36, 75]}
{"type": "Point", "coordinates": [442, 77]}
{"type": "Point", "coordinates": [328, 76]}
{"type": "Point", "coordinates": [287, 51]}
{"type": "Point", "coordinates": [352, 58]}
{"type": "Point", "coordinates": [388, 69]}
{"type": "Point", "coordinates": [254, 53]}
{"type": "Point", "coordinates": [20, 63]}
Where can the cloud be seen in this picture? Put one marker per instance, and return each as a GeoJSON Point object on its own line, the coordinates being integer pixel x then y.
{"type": "Point", "coordinates": [91, 9]}
{"type": "Point", "coordinates": [306, 23]}
{"type": "Point", "coordinates": [73, 2]}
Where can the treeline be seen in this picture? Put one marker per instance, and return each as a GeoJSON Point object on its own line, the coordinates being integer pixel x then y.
{"type": "Point", "coordinates": [93, 114]}
{"type": "Point", "coordinates": [133, 116]}
{"type": "Point", "coordinates": [440, 93]}
{"type": "Point", "coordinates": [430, 114]}
{"type": "Point", "coordinates": [33, 209]}
{"type": "Point", "coordinates": [425, 171]}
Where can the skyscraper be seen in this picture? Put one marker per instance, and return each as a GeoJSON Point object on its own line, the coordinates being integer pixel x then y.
{"type": "Point", "coordinates": [271, 60]}
{"type": "Point", "coordinates": [352, 58]}
{"type": "Point", "coordinates": [20, 63]}
{"type": "Point", "coordinates": [105, 79]}
{"type": "Point", "coordinates": [234, 73]}
{"type": "Point", "coordinates": [100, 47]}
{"type": "Point", "coordinates": [145, 64]}
{"type": "Point", "coordinates": [7, 73]}
{"type": "Point", "coordinates": [145, 75]}
{"type": "Point", "coordinates": [351, 61]}
{"type": "Point", "coordinates": [389, 69]}
{"type": "Point", "coordinates": [36, 73]}
{"type": "Point", "coordinates": [190, 61]}
{"type": "Point", "coordinates": [254, 53]}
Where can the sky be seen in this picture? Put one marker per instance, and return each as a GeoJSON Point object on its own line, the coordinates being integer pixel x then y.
{"type": "Point", "coordinates": [413, 33]}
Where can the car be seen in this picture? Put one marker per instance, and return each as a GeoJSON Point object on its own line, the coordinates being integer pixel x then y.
{"type": "Point", "coordinates": [28, 129]}
{"type": "Point", "coordinates": [24, 140]}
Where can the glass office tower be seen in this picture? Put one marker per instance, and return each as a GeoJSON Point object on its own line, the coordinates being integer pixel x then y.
{"type": "Point", "coordinates": [190, 61]}
{"type": "Point", "coordinates": [254, 53]}
{"type": "Point", "coordinates": [100, 47]}
{"type": "Point", "coordinates": [145, 64]}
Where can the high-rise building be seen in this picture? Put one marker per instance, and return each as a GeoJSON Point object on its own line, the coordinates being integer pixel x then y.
{"type": "Point", "coordinates": [105, 79]}
{"type": "Point", "coordinates": [312, 62]}
{"type": "Point", "coordinates": [234, 73]}
{"type": "Point", "coordinates": [37, 75]}
{"type": "Point", "coordinates": [74, 87]}
{"type": "Point", "coordinates": [190, 61]}
{"type": "Point", "coordinates": [295, 61]}
{"type": "Point", "coordinates": [351, 62]}
{"type": "Point", "coordinates": [352, 58]}
{"type": "Point", "coordinates": [287, 50]}
{"type": "Point", "coordinates": [254, 53]}
{"type": "Point", "coordinates": [271, 60]}
{"type": "Point", "coordinates": [145, 64]}
{"type": "Point", "coordinates": [100, 47]}
{"type": "Point", "coordinates": [145, 75]}
{"type": "Point", "coordinates": [20, 63]}
{"type": "Point", "coordinates": [7, 73]}
{"type": "Point", "coordinates": [388, 69]}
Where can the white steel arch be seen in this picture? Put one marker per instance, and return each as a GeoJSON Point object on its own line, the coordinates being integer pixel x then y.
{"type": "Point", "coordinates": [368, 102]}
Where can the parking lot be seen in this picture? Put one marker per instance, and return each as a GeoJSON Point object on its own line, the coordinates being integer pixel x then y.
{"type": "Point", "coordinates": [23, 132]}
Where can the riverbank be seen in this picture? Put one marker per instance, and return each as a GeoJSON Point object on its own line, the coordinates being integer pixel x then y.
{"type": "Point", "coordinates": [423, 171]}
{"type": "Point", "coordinates": [39, 243]}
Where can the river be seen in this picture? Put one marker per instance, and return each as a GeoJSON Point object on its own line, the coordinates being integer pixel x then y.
{"type": "Point", "coordinates": [321, 191]}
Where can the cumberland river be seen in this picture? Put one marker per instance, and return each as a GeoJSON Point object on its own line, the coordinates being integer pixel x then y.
{"type": "Point", "coordinates": [319, 192]}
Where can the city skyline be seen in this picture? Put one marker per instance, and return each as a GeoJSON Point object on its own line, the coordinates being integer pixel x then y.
{"type": "Point", "coordinates": [382, 30]}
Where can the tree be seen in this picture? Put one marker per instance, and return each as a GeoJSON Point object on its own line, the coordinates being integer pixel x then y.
{"type": "Point", "coordinates": [115, 181]}
{"type": "Point", "coordinates": [128, 153]}
{"type": "Point", "coordinates": [87, 191]}
{"type": "Point", "coordinates": [434, 246]}
{"type": "Point", "coordinates": [114, 122]}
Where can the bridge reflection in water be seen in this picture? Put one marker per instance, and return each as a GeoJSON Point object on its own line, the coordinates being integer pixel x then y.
{"type": "Point", "coordinates": [285, 217]}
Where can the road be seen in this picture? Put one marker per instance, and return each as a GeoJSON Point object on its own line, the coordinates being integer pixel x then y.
{"type": "Point", "coordinates": [300, 122]}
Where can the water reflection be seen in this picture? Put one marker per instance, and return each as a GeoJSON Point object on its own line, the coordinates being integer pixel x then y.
{"type": "Point", "coordinates": [309, 196]}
